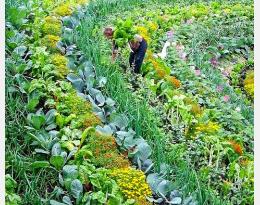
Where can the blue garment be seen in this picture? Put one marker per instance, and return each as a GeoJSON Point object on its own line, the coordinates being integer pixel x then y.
{"type": "Point", "coordinates": [136, 57]}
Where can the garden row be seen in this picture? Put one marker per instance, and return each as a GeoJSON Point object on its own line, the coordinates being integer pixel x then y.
{"type": "Point", "coordinates": [202, 90]}
{"type": "Point", "coordinates": [73, 127]}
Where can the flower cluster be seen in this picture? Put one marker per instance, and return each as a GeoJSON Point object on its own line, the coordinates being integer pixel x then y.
{"type": "Point", "coordinates": [236, 147]}
{"type": "Point", "coordinates": [81, 2]}
{"type": "Point", "coordinates": [50, 41]}
{"type": "Point", "coordinates": [64, 10]}
{"type": "Point", "coordinates": [60, 63]}
{"type": "Point", "coordinates": [132, 183]}
{"type": "Point", "coordinates": [52, 26]}
{"type": "Point", "coordinates": [104, 149]}
{"type": "Point", "coordinates": [208, 128]}
{"type": "Point", "coordinates": [152, 26]}
{"type": "Point", "coordinates": [249, 83]}
{"type": "Point", "coordinates": [71, 103]}
{"type": "Point", "coordinates": [199, 10]}
{"type": "Point", "coordinates": [174, 81]}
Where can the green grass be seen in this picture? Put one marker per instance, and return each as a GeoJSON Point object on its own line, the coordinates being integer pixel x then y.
{"type": "Point", "coordinates": [31, 184]}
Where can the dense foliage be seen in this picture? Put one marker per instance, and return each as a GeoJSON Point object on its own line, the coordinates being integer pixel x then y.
{"type": "Point", "coordinates": [81, 130]}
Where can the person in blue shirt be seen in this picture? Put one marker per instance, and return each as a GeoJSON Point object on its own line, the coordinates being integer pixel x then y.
{"type": "Point", "coordinates": [138, 47]}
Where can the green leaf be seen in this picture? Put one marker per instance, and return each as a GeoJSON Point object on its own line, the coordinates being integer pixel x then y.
{"type": "Point", "coordinates": [67, 200]}
{"type": "Point", "coordinates": [144, 151]}
{"type": "Point", "coordinates": [37, 121]}
{"type": "Point", "coordinates": [57, 161]}
{"type": "Point", "coordinates": [40, 164]}
{"type": "Point", "coordinates": [106, 130]}
{"type": "Point", "coordinates": [176, 200]}
{"type": "Point", "coordinates": [101, 99]}
{"type": "Point", "coordinates": [84, 135]}
{"type": "Point", "coordinates": [76, 81]}
{"type": "Point", "coordinates": [20, 50]}
{"type": "Point", "coordinates": [51, 127]}
{"type": "Point", "coordinates": [70, 171]}
{"type": "Point", "coordinates": [41, 151]}
{"type": "Point", "coordinates": [17, 15]}
{"type": "Point", "coordinates": [56, 149]}
{"type": "Point", "coordinates": [76, 188]}
{"type": "Point", "coordinates": [32, 104]}
{"type": "Point", "coordinates": [99, 196]}
{"type": "Point", "coordinates": [53, 202]}
{"type": "Point", "coordinates": [50, 116]}
{"type": "Point", "coordinates": [10, 183]}
{"type": "Point", "coordinates": [94, 179]}
{"type": "Point", "coordinates": [164, 187]}
{"type": "Point", "coordinates": [114, 201]}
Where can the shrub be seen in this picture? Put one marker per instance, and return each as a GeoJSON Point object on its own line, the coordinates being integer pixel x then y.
{"type": "Point", "coordinates": [71, 103]}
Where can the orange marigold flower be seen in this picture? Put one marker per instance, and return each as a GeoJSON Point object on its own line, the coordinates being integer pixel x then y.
{"type": "Point", "coordinates": [161, 73]}
{"type": "Point", "coordinates": [237, 147]}
{"type": "Point", "coordinates": [174, 81]}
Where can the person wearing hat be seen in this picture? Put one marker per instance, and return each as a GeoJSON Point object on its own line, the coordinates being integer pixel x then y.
{"type": "Point", "coordinates": [138, 47]}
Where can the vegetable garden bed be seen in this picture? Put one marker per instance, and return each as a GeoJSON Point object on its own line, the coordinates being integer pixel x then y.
{"type": "Point", "coordinates": [81, 130]}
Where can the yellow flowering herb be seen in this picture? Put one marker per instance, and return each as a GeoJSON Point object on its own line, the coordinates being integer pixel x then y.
{"type": "Point", "coordinates": [52, 25]}
{"type": "Point", "coordinates": [50, 41]}
{"type": "Point", "coordinates": [209, 128]}
{"type": "Point", "coordinates": [174, 81]}
{"type": "Point", "coordinates": [132, 183]}
{"type": "Point", "coordinates": [64, 10]}
{"type": "Point", "coordinates": [249, 83]}
{"type": "Point", "coordinates": [60, 63]}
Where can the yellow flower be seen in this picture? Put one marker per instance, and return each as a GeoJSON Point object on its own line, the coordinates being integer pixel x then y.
{"type": "Point", "coordinates": [132, 183]}
{"type": "Point", "coordinates": [52, 26]}
{"type": "Point", "coordinates": [152, 26]}
{"type": "Point", "coordinates": [81, 2]}
{"type": "Point", "coordinates": [64, 10]}
{"type": "Point", "coordinates": [60, 63]}
{"type": "Point", "coordinates": [209, 128]}
{"type": "Point", "coordinates": [249, 83]}
{"type": "Point", "coordinates": [50, 41]}
{"type": "Point", "coordinates": [143, 32]}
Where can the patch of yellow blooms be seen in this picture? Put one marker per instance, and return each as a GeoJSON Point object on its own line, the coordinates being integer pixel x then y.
{"type": "Point", "coordinates": [60, 63]}
{"type": "Point", "coordinates": [132, 183]}
{"type": "Point", "coordinates": [50, 41]}
{"type": "Point", "coordinates": [249, 83]}
{"type": "Point", "coordinates": [64, 10]}
{"type": "Point", "coordinates": [210, 128]}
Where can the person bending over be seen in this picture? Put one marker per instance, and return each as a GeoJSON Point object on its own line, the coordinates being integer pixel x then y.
{"type": "Point", "coordinates": [138, 47]}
